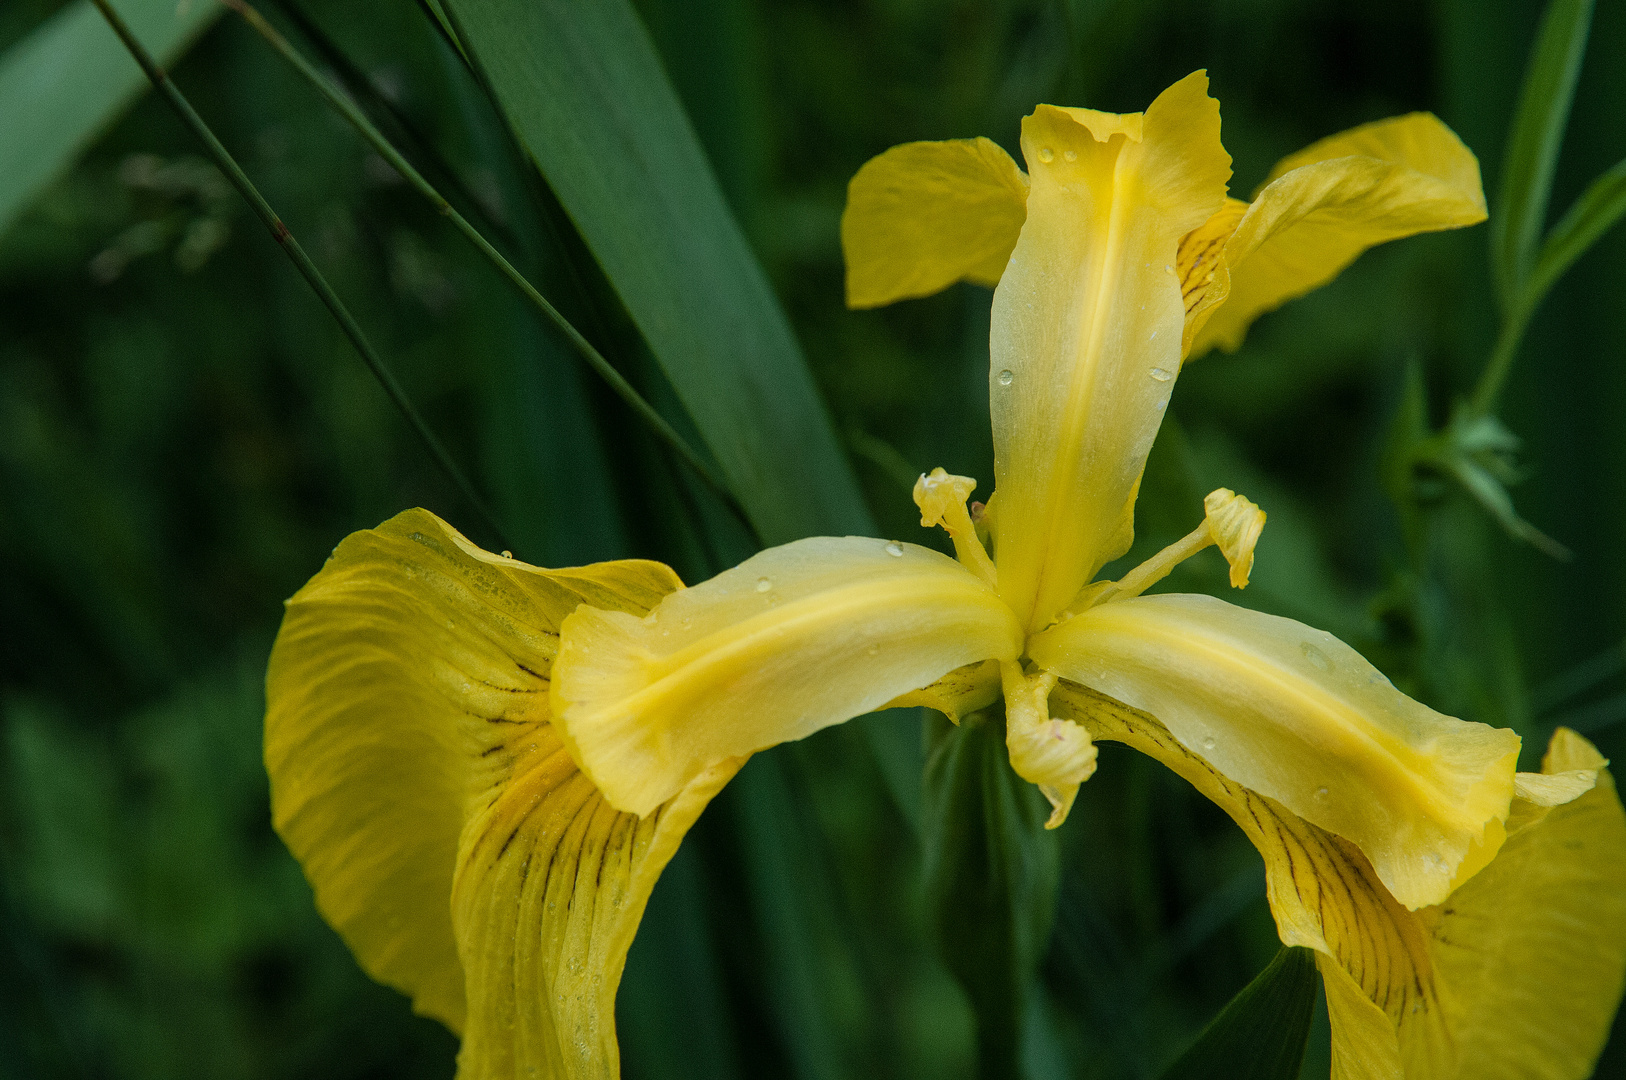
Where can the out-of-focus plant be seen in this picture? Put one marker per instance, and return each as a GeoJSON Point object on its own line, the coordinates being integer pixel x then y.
{"type": "Point", "coordinates": [1474, 452]}
{"type": "Point", "coordinates": [645, 278]}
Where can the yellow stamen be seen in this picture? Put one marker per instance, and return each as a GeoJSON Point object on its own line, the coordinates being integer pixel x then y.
{"type": "Point", "coordinates": [1232, 522]}
{"type": "Point", "coordinates": [941, 497]}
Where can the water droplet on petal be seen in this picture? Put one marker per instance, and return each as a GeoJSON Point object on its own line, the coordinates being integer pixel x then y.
{"type": "Point", "coordinates": [1071, 155]}
{"type": "Point", "coordinates": [1317, 658]}
{"type": "Point", "coordinates": [1168, 268]}
{"type": "Point", "coordinates": [894, 549]}
{"type": "Point", "coordinates": [764, 584]}
{"type": "Point", "coordinates": [1161, 374]}
{"type": "Point", "coordinates": [1007, 377]}
{"type": "Point", "coordinates": [1321, 794]}
{"type": "Point", "coordinates": [1208, 743]}
{"type": "Point", "coordinates": [1046, 154]}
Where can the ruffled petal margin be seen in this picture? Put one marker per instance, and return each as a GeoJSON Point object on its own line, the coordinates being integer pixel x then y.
{"type": "Point", "coordinates": [446, 832]}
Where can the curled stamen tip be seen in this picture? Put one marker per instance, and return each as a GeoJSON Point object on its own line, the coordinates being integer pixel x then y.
{"type": "Point", "coordinates": [1235, 523]}
{"type": "Point", "coordinates": [1061, 799]}
{"type": "Point", "coordinates": [939, 493]}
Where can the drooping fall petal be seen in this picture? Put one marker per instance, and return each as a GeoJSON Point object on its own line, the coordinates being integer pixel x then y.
{"type": "Point", "coordinates": [924, 215]}
{"type": "Point", "coordinates": [1293, 713]}
{"type": "Point", "coordinates": [1087, 326]}
{"type": "Point", "coordinates": [447, 834]}
{"type": "Point", "coordinates": [1325, 205]}
{"type": "Point", "coordinates": [1516, 974]}
{"type": "Point", "coordinates": [792, 640]}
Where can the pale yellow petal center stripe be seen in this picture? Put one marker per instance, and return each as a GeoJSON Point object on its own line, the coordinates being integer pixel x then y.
{"type": "Point", "coordinates": [1293, 713]}
{"type": "Point", "coordinates": [793, 640]}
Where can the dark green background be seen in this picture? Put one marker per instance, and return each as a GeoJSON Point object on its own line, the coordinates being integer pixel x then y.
{"type": "Point", "coordinates": [180, 447]}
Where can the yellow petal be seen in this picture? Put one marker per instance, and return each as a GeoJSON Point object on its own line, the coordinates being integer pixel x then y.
{"type": "Point", "coordinates": [1205, 278]}
{"type": "Point", "coordinates": [927, 214]}
{"type": "Point", "coordinates": [551, 884]}
{"type": "Point", "coordinates": [1517, 974]}
{"type": "Point", "coordinates": [1532, 951]}
{"type": "Point", "coordinates": [1295, 714]}
{"type": "Point", "coordinates": [963, 690]}
{"type": "Point", "coordinates": [1087, 325]}
{"type": "Point", "coordinates": [1556, 789]}
{"type": "Point", "coordinates": [790, 641]}
{"type": "Point", "coordinates": [409, 746]}
{"type": "Point", "coordinates": [1331, 201]}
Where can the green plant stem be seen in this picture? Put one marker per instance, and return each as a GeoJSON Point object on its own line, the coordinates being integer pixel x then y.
{"type": "Point", "coordinates": [602, 367]}
{"type": "Point", "coordinates": [285, 239]}
{"type": "Point", "coordinates": [1501, 360]}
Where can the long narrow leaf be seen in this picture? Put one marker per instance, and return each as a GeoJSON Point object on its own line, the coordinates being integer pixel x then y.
{"type": "Point", "coordinates": [65, 82]}
{"type": "Point", "coordinates": [583, 86]}
{"type": "Point", "coordinates": [1532, 151]}
{"type": "Point", "coordinates": [1600, 206]}
{"type": "Point", "coordinates": [1262, 1033]}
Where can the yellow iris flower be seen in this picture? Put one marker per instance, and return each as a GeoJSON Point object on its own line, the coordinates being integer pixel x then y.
{"type": "Point", "coordinates": [483, 765]}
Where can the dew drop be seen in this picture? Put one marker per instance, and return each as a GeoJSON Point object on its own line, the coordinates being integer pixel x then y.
{"type": "Point", "coordinates": [508, 554]}
{"type": "Point", "coordinates": [894, 549]}
{"type": "Point", "coordinates": [1168, 268]}
{"type": "Point", "coordinates": [1071, 155]}
{"type": "Point", "coordinates": [1161, 374]}
{"type": "Point", "coordinates": [1316, 657]}
{"type": "Point", "coordinates": [1046, 154]}
{"type": "Point", "coordinates": [764, 584]}
{"type": "Point", "coordinates": [1321, 794]}
{"type": "Point", "coordinates": [1007, 377]}
{"type": "Point", "coordinates": [1208, 743]}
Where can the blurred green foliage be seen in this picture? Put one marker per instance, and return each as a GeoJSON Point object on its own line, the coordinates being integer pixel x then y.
{"type": "Point", "coordinates": [184, 435]}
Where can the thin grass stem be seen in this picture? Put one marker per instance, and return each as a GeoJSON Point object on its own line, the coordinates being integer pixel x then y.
{"type": "Point", "coordinates": [285, 239]}
{"type": "Point", "coordinates": [595, 360]}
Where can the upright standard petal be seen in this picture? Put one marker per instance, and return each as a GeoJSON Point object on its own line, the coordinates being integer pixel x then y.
{"type": "Point", "coordinates": [1328, 203]}
{"type": "Point", "coordinates": [1295, 714]}
{"type": "Point", "coordinates": [924, 215]}
{"type": "Point", "coordinates": [792, 640]}
{"type": "Point", "coordinates": [1516, 975]}
{"type": "Point", "coordinates": [446, 832]}
{"type": "Point", "coordinates": [1087, 327]}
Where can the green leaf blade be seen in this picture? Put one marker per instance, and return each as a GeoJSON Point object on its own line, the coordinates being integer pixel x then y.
{"type": "Point", "coordinates": [991, 876]}
{"type": "Point", "coordinates": [584, 88]}
{"type": "Point", "coordinates": [1532, 152]}
{"type": "Point", "coordinates": [1262, 1033]}
{"type": "Point", "coordinates": [67, 81]}
{"type": "Point", "coordinates": [1597, 211]}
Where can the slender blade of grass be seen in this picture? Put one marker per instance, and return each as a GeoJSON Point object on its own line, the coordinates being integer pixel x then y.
{"type": "Point", "coordinates": [1532, 151]}
{"type": "Point", "coordinates": [584, 89]}
{"type": "Point", "coordinates": [65, 82]}
{"type": "Point", "coordinates": [285, 239]}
